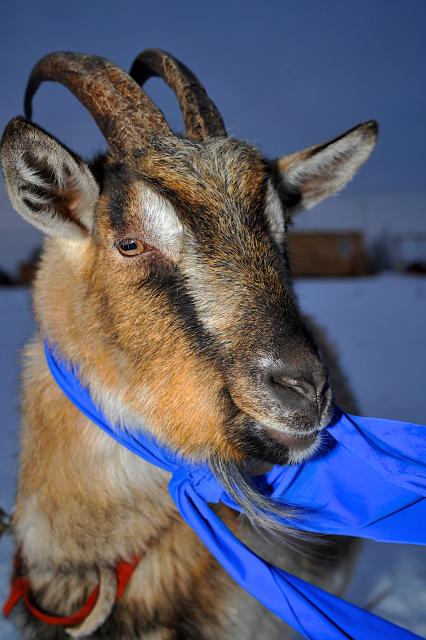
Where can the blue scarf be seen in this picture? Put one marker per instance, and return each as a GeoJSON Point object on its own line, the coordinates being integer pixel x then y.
{"type": "Point", "coordinates": [369, 481]}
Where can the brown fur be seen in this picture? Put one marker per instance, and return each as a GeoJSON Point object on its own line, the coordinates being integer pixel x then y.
{"type": "Point", "coordinates": [179, 341]}
{"type": "Point", "coordinates": [79, 526]}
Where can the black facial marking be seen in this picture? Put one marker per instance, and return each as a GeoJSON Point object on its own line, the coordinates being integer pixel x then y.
{"type": "Point", "coordinates": [171, 284]}
{"type": "Point", "coordinates": [118, 177]}
{"type": "Point", "coordinates": [97, 167]}
{"type": "Point", "coordinates": [117, 208]}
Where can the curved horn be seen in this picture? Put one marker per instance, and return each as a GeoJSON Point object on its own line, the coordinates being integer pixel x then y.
{"type": "Point", "coordinates": [200, 114]}
{"type": "Point", "coordinates": [125, 114]}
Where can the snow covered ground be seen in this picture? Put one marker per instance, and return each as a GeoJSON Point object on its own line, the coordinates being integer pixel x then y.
{"type": "Point", "coordinates": [379, 326]}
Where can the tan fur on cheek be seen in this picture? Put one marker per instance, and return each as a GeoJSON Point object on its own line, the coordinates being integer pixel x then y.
{"type": "Point", "coordinates": [180, 401]}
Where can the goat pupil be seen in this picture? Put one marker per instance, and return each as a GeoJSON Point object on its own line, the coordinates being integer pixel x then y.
{"type": "Point", "coordinates": [131, 247]}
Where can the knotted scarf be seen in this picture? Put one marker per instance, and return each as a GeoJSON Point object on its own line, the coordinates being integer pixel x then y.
{"type": "Point", "coordinates": [368, 481]}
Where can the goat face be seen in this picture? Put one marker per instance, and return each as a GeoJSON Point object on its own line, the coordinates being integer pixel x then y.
{"type": "Point", "coordinates": [214, 230]}
{"type": "Point", "coordinates": [185, 259]}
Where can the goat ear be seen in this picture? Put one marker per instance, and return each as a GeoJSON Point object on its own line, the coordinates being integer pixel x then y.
{"type": "Point", "coordinates": [47, 184]}
{"type": "Point", "coordinates": [307, 177]}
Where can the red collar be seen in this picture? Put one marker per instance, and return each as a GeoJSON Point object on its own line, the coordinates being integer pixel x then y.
{"type": "Point", "coordinates": [20, 590]}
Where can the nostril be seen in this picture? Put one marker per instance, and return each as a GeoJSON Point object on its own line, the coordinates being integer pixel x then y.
{"type": "Point", "coordinates": [298, 385]}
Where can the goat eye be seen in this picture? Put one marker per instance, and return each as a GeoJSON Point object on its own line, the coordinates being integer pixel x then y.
{"type": "Point", "coordinates": [131, 247]}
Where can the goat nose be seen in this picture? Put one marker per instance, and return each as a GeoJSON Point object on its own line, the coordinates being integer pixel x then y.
{"type": "Point", "coordinates": [298, 385]}
{"type": "Point", "coordinates": [292, 390]}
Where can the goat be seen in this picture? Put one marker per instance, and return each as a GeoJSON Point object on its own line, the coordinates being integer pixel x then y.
{"type": "Point", "coordinates": [165, 277]}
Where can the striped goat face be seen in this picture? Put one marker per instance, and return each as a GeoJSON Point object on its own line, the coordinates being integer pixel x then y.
{"type": "Point", "coordinates": [188, 262]}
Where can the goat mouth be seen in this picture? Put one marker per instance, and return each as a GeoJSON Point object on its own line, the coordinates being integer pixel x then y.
{"type": "Point", "coordinates": [275, 444]}
{"type": "Point", "coordinates": [284, 447]}
{"type": "Point", "coordinates": [274, 441]}
{"type": "Point", "coordinates": [295, 441]}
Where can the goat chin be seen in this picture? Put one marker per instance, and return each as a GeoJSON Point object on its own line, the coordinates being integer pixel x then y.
{"type": "Point", "coordinates": [299, 446]}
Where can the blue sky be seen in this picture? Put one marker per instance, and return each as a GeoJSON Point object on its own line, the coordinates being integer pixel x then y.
{"type": "Point", "coordinates": [284, 74]}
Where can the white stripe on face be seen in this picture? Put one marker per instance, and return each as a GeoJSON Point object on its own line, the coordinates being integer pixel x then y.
{"type": "Point", "coordinates": [160, 223]}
